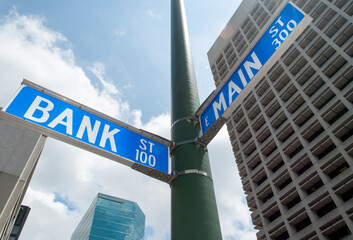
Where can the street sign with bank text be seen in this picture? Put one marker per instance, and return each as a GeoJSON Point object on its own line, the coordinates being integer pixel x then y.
{"type": "Point", "coordinates": [278, 37]}
{"type": "Point", "coordinates": [58, 117]}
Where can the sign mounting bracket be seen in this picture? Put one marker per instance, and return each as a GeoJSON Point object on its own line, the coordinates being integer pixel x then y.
{"type": "Point", "coordinates": [193, 118]}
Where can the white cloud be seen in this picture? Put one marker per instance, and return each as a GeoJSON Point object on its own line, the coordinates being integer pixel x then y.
{"type": "Point", "coordinates": [35, 52]}
{"type": "Point", "coordinates": [232, 208]}
{"type": "Point", "coordinates": [153, 14]}
{"type": "Point", "coordinates": [45, 63]}
{"type": "Point", "coordinates": [43, 211]}
{"type": "Point", "coordinates": [127, 86]}
{"type": "Point", "coordinates": [119, 33]}
{"type": "Point", "coordinates": [159, 125]}
{"type": "Point", "coordinates": [98, 70]}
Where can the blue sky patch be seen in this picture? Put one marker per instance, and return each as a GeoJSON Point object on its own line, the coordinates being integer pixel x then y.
{"type": "Point", "coordinates": [65, 200]}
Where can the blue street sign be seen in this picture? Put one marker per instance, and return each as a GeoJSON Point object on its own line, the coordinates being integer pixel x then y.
{"type": "Point", "coordinates": [287, 20]}
{"type": "Point", "coordinates": [59, 116]}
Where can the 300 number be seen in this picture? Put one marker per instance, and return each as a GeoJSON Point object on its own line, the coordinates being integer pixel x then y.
{"type": "Point", "coordinates": [283, 34]}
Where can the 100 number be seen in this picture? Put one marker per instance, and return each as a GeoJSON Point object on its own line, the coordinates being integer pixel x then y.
{"type": "Point", "coordinates": [144, 158]}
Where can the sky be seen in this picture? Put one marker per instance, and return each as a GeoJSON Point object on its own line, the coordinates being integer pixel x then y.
{"type": "Point", "coordinates": [113, 56]}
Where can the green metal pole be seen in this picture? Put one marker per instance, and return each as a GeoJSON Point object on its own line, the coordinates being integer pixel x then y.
{"type": "Point", "coordinates": [194, 212]}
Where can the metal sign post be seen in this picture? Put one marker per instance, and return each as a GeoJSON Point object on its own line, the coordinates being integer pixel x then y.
{"type": "Point", "coordinates": [194, 210]}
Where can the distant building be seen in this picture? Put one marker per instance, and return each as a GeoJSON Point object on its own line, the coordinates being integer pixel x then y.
{"type": "Point", "coordinates": [292, 136]}
{"type": "Point", "coordinates": [111, 218]}
{"type": "Point", "coordinates": [19, 222]}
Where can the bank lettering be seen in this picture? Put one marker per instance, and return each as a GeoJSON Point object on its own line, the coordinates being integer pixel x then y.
{"type": "Point", "coordinates": [40, 111]}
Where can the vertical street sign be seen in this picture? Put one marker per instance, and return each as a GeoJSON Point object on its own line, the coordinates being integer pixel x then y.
{"type": "Point", "coordinates": [61, 118]}
{"type": "Point", "coordinates": [277, 38]}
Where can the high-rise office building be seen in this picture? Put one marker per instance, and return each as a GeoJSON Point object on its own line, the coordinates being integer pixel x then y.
{"type": "Point", "coordinates": [292, 135]}
{"type": "Point", "coordinates": [111, 218]}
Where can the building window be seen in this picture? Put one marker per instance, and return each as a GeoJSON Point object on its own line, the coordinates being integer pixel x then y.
{"type": "Point", "coordinates": [274, 216]}
{"type": "Point", "coordinates": [345, 79]}
{"type": "Point", "coordinates": [314, 187]}
{"type": "Point", "coordinates": [335, 113]}
{"type": "Point", "coordinates": [341, 233]}
{"type": "Point", "coordinates": [315, 134]}
{"type": "Point", "coordinates": [261, 180]}
{"type": "Point", "coordinates": [326, 151]}
{"type": "Point", "coordinates": [294, 202]}
{"type": "Point", "coordinates": [324, 98]}
{"type": "Point", "coordinates": [302, 224]}
{"type": "Point", "coordinates": [267, 197]}
{"type": "Point", "coordinates": [326, 209]}
{"type": "Point", "coordinates": [303, 169]}
{"type": "Point", "coordinates": [295, 151]}
{"type": "Point", "coordinates": [255, 165]}
{"type": "Point", "coordinates": [283, 236]}
{"type": "Point", "coordinates": [278, 166]}
{"type": "Point", "coordinates": [348, 134]}
{"type": "Point", "coordinates": [304, 116]}
{"type": "Point", "coordinates": [285, 183]}
{"type": "Point", "coordinates": [322, 148]}
{"type": "Point", "coordinates": [347, 195]}
{"type": "Point", "coordinates": [340, 169]}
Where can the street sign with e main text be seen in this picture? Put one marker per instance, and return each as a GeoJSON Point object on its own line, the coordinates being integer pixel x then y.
{"type": "Point", "coordinates": [277, 38]}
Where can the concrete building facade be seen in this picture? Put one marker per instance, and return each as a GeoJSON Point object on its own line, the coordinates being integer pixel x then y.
{"type": "Point", "coordinates": [20, 150]}
{"type": "Point", "coordinates": [292, 136]}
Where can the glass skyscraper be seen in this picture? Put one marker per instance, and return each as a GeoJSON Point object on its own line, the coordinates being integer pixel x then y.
{"type": "Point", "coordinates": [111, 218]}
